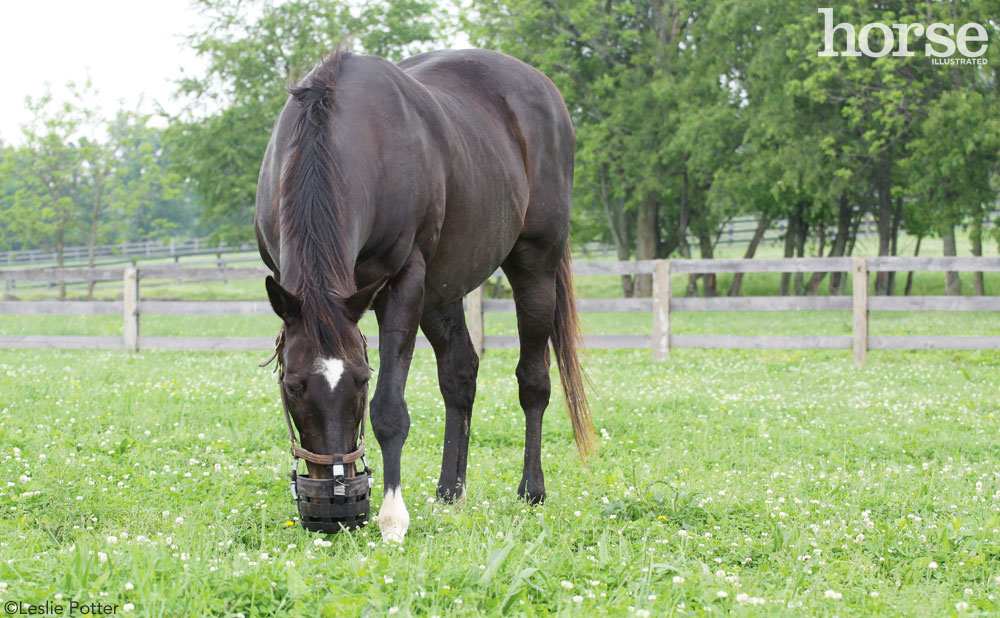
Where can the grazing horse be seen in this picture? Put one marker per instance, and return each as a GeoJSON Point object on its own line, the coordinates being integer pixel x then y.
{"type": "Point", "coordinates": [402, 187]}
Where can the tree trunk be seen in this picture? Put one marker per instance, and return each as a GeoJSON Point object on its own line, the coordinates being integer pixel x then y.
{"type": "Point", "coordinates": [758, 237]}
{"type": "Point", "coordinates": [883, 223]}
{"type": "Point", "coordinates": [791, 234]}
{"type": "Point", "coordinates": [979, 288]}
{"type": "Point", "coordinates": [618, 223]}
{"type": "Point", "coordinates": [92, 238]}
{"type": "Point", "coordinates": [647, 241]}
{"type": "Point", "coordinates": [60, 262]}
{"type": "Point", "coordinates": [952, 284]}
{"type": "Point", "coordinates": [897, 219]}
{"type": "Point", "coordinates": [909, 275]}
{"type": "Point", "coordinates": [682, 243]}
{"type": "Point", "coordinates": [800, 251]}
{"type": "Point", "coordinates": [839, 245]}
{"type": "Point", "coordinates": [707, 253]}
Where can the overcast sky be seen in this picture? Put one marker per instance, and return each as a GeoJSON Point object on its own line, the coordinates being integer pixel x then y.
{"type": "Point", "coordinates": [130, 47]}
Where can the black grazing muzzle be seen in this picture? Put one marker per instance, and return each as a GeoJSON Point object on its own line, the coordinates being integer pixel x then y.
{"type": "Point", "coordinates": [333, 504]}
{"type": "Point", "coordinates": [330, 505]}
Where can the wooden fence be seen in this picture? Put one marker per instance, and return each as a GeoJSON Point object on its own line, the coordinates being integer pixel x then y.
{"type": "Point", "coordinates": [126, 251]}
{"type": "Point", "coordinates": [662, 305]}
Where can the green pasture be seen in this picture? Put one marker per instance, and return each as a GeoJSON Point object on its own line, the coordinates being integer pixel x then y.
{"type": "Point", "coordinates": [727, 483]}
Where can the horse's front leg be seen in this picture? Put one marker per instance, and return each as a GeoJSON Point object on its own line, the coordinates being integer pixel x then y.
{"type": "Point", "coordinates": [398, 308]}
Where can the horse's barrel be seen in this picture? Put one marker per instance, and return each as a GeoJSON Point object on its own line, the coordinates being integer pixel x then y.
{"type": "Point", "coordinates": [330, 505]}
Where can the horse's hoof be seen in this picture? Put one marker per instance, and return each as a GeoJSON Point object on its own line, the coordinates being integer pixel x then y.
{"type": "Point", "coordinates": [451, 495]}
{"type": "Point", "coordinates": [533, 497]}
{"type": "Point", "coordinates": [393, 518]}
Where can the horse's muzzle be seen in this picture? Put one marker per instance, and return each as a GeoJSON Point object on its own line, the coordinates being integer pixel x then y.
{"type": "Point", "coordinates": [331, 505]}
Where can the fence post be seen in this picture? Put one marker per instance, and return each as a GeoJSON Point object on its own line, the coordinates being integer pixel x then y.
{"type": "Point", "coordinates": [859, 278]}
{"type": "Point", "coordinates": [661, 310]}
{"type": "Point", "coordinates": [130, 308]}
{"type": "Point", "coordinates": [475, 320]}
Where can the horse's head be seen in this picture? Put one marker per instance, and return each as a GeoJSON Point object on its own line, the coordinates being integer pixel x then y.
{"type": "Point", "coordinates": [324, 372]}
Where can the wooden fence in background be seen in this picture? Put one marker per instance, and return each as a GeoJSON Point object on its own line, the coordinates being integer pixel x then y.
{"type": "Point", "coordinates": [661, 305]}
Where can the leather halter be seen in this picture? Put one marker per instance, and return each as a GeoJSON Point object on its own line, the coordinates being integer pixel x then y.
{"type": "Point", "coordinates": [297, 451]}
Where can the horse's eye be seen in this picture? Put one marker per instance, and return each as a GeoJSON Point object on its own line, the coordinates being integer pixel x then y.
{"type": "Point", "coordinates": [295, 389]}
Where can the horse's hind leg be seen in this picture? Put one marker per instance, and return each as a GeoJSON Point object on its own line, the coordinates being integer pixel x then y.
{"type": "Point", "coordinates": [530, 268]}
{"type": "Point", "coordinates": [458, 366]}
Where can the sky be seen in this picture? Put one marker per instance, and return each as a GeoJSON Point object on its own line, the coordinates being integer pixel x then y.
{"type": "Point", "coordinates": [129, 47]}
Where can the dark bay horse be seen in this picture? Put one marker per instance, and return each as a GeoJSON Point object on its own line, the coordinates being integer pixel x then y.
{"type": "Point", "coordinates": [401, 188]}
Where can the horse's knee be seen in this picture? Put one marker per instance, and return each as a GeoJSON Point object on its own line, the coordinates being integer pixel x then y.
{"type": "Point", "coordinates": [390, 419]}
{"type": "Point", "coordinates": [534, 386]}
{"type": "Point", "coordinates": [458, 384]}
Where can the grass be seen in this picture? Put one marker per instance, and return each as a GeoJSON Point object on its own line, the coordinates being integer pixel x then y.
{"type": "Point", "coordinates": [727, 482]}
{"type": "Point", "coordinates": [750, 484]}
{"type": "Point", "coordinates": [982, 323]}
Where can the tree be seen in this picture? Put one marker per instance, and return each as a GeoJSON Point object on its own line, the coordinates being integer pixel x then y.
{"type": "Point", "coordinates": [77, 177]}
{"type": "Point", "coordinates": [46, 175]}
{"type": "Point", "coordinates": [254, 50]}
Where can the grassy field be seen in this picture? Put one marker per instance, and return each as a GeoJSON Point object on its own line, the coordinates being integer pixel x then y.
{"type": "Point", "coordinates": [727, 483]}
{"type": "Point", "coordinates": [748, 484]}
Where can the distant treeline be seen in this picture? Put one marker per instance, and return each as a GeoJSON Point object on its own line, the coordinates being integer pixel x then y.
{"type": "Point", "coordinates": [688, 113]}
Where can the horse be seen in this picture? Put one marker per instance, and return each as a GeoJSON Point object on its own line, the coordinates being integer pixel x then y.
{"type": "Point", "coordinates": [401, 188]}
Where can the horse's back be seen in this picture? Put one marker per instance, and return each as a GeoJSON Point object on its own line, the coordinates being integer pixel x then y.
{"type": "Point", "coordinates": [512, 132]}
{"type": "Point", "coordinates": [520, 95]}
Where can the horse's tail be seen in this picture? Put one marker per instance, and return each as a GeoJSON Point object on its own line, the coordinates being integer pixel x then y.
{"type": "Point", "coordinates": [566, 337]}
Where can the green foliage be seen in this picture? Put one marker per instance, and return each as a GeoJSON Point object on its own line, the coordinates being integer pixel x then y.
{"type": "Point", "coordinates": [79, 177]}
{"type": "Point", "coordinates": [710, 109]}
{"type": "Point", "coordinates": [254, 50]}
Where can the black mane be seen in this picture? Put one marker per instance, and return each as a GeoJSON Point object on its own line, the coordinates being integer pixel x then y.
{"type": "Point", "coordinates": [311, 221]}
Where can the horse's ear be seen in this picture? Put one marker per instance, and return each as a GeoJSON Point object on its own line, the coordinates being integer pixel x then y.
{"type": "Point", "coordinates": [284, 303]}
{"type": "Point", "coordinates": [356, 304]}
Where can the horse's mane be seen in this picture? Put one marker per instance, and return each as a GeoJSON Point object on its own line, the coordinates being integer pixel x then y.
{"type": "Point", "coordinates": [312, 223]}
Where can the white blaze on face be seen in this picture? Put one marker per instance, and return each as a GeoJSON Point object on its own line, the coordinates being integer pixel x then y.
{"type": "Point", "coordinates": [332, 369]}
{"type": "Point", "coordinates": [393, 519]}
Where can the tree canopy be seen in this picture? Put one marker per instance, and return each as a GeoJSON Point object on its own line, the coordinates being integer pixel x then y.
{"type": "Point", "coordinates": [687, 113]}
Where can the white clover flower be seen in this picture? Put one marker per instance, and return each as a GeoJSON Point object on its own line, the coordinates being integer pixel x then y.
{"type": "Point", "coordinates": [832, 594]}
{"type": "Point", "coordinates": [102, 557]}
{"type": "Point", "coordinates": [678, 579]}
{"type": "Point", "coordinates": [962, 606]}
{"type": "Point", "coordinates": [932, 565]}
{"type": "Point", "coordinates": [129, 586]}
{"type": "Point", "coordinates": [577, 598]}
{"type": "Point", "coordinates": [722, 594]}
{"type": "Point", "coordinates": [128, 607]}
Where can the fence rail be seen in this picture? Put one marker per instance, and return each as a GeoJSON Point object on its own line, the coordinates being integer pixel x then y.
{"type": "Point", "coordinates": [662, 305]}
{"type": "Point", "coordinates": [145, 249]}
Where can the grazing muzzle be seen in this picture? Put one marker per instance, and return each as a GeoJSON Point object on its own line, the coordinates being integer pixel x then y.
{"type": "Point", "coordinates": [330, 505]}
{"type": "Point", "coordinates": [333, 504]}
